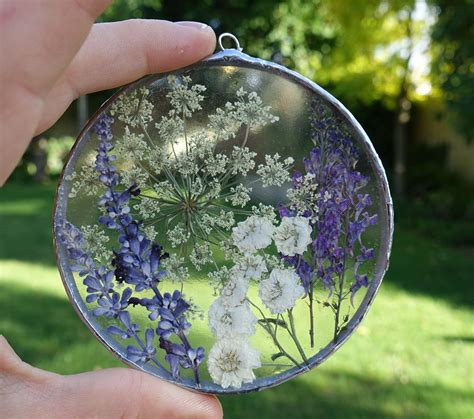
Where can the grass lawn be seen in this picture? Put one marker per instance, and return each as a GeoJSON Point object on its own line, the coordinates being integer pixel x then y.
{"type": "Point", "coordinates": [412, 357]}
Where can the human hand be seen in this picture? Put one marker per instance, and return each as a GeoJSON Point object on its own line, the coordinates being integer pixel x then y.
{"type": "Point", "coordinates": [116, 393]}
{"type": "Point", "coordinates": [52, 53]}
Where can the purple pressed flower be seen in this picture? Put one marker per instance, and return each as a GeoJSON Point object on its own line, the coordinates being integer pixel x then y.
{"type": "Point", "coordinates": [145, 353]}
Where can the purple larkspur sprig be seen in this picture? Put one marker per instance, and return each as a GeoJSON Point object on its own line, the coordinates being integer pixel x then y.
{"type": "Point", "coordinates": [138, 261]}
{"type": "Point", "coordinates": [100, 289]}
{"type": "Point", "coordinates": [340, 216]}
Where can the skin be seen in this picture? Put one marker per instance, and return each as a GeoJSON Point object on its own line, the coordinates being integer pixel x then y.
{"type": "Point", "coordinates": [51, 54]}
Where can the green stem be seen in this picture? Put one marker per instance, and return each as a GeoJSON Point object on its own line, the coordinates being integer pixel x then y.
{"type": "Point", "coordinates": [294, 337]}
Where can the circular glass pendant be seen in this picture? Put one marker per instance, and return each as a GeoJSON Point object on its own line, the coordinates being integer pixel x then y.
{"type": "Point", "coordinates": [225, 226]}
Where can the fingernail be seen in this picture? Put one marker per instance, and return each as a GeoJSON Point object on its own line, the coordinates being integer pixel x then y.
{"type": "Point", "coordinates": [197, 25]}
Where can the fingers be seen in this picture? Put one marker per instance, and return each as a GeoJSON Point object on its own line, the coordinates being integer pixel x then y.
{"type": "Point", "coordinates": [129, 393]}
{"type": "Point", "coordinates": [118, 53]}
{"type": "Point", "coordinates": [40, 38]}
{"type": "Point", "coordinates": [29, 392]}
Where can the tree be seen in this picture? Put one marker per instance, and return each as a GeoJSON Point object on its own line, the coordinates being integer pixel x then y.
{"type": "Point", "coordinates": [453, 64]}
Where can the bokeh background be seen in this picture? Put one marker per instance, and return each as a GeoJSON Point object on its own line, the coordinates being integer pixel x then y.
{"type": "Point", "coordinates": [405, 69]}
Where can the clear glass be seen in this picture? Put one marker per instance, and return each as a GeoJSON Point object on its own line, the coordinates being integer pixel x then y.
{"type": "Point", "coordinates": [225, 226]}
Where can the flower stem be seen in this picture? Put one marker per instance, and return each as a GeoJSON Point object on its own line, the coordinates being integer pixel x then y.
{"type": "Point", "coordinates": [268, 329]}
{"type": "Point", "coordinates": [294, 337]}
{"type": "Point", "coordinates": [311, 316]}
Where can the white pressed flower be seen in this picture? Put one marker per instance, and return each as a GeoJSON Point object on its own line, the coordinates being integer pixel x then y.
{"type": "Point", "coordinates": [148, 207]}
{"type": "Point", "coordinates": [150, 232]}
{"type": "Point", "coordinates": [185, 98]}
{"type": "Point", "coordinates": [231, 362]}
{"type": "Point", "coordinates": [225, 219]}
{"type": "Point", "coordinates": [304, 195]}
{"type": "Point", "coordinates": [281, 290]}
{"type": "Point", "coordinates": [242, 160]}
{"type": "Point", "coordinates": [250, 267]}
{"type": "Point", "coordinates": [240, 195]}
{"type": "Point", "coordinates": [96, 240]}
{"type": "Point", "coordinates": [274, 172]}
{"type": "Point", "coordinates": [134, 176]}
{"type": "Point", "coordinates": [267, 211]}
{"type": "Point", "coordinates": [133, 108]}
{"type": "Point", "coordinates": [223, 124]}
{"type": "Point", "coordinates": [201, 255]}
{"type": "Point", "coordinates": [170, 127]}
{"type": "Point", "coordinates": [249, 110]}
{"type": "Point", "coordinates": [178, 235]}
{"type": "Point", "coordinates": [131, 146]}
{"type": "Point", "coordinates": [216, 164]}
{"type": "Point", "coordinates": [293, 235]}
{"type": "Point", "coordinates": [175, 268]}
{"type": "Point", "coordinates": [164, 189]}
{"type": "Point", "coordinates": [234, 291]}
{"type": "Point", "coordinates": [252, 234]}
{"type": "Point", "coordinates": [231, 322]}
{"type": "Point", "coordinates": [86, 181]}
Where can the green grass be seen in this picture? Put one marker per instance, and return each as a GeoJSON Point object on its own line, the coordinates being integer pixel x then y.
{"type": "Point", "coordinates": [412, 356]}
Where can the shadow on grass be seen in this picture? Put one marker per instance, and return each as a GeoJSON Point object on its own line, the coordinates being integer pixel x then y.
{"type": "Point", "coordinates": [38, 325]}
{"type": "Point", "coordinates": [25, 223]}
{"type": "Point", "coordinates": [45, 331]}
{"type": "Point", "coordinates": [426, 267]}
{"type": "Point", "coordinates": [339, 394]}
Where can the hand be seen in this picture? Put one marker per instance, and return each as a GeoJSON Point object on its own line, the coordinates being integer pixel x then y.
{"type": "Point", "coordinates": [27, 392]}
{"type": "Point", "coordinates": [52, 53]}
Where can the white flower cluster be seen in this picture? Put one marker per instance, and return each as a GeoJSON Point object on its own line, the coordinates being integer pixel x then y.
{"type": "Point", "coordinates": [305, 195]}
{"type": "Point", "coordinates": [231, 360]}
{"type": "Point", "coordinates": [134, 176]}
{"type": "Point", "coordinates": [293, 235]}
{"type": "Point", "coordinates": [96, 242]}
{"type": "Point", "coordinates": [274, 172]}
{"type": "Point", "coordinates": [281, 290]}
{"type": "Point", "coordinates": [176, 270]}
{"type": "Point", "coordinates": [131, 146]}
{"type": "Point", "coordinates": [133, 108]}
{"type": "Point", "coordinates": [240, 195]}
{"type": "Point", "coordinates": [147, 207]}
{"type": "Point", "coordinates": [184, 98]}
{"type": "Point", "coordinates": [87, 181]}
{"type": "Point", "coordinates": [178, 235]}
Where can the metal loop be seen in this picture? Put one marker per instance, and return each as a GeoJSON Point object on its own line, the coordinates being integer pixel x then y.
{"type": "Point", "coordinates": [231, 36]}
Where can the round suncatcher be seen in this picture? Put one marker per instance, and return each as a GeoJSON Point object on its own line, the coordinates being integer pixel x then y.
{"type": "Point", "coordinates": [225, 226]}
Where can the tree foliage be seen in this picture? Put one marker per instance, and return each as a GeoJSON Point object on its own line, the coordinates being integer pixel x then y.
{"type": "Point", "coordinates": [453, 64]}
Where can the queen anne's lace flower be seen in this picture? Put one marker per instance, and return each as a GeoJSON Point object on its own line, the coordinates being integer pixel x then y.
{"type": "Point", "coordinates": [147, 208]}
{"type": "Point", "coordinates": [231, 322]}
{"type": "Point", "coordinates": [134, 176]}
{"type": "Point", "coordinates": [178, 235]}
{"type": "Point", "coordinates": [274, 172]}
{"type": "Point", "coordinates": [252, 234]}
{"type": "Point", "coordinates": [132, 146]}
{"type": "Point", "coordinates": [281, 290]}
{"type": "Point", "coordinates": [185, 98]}
{"type": "Point", "coordinates": [96, 242]}
{"type": "Point", "coordinates": [231, 362]}
{"type": "Point", "coordinates": [133, 107]}
{"type": "Point", "coordinates": [293, 235]}
{"type": "Point", "coordinates": [240, 195]}
{"type": "Point", "coordinates": [86, 181]}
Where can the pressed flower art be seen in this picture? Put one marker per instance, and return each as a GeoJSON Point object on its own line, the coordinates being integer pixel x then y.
{"type": "Point", "coordinates": [222, 227]}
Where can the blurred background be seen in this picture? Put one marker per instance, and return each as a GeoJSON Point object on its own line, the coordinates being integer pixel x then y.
{"type": "Point", "coordinates": [405, 70]}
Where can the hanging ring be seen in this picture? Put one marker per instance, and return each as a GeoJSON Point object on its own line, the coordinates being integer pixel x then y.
{"type": "Point", "coordinates": [231, 36]}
